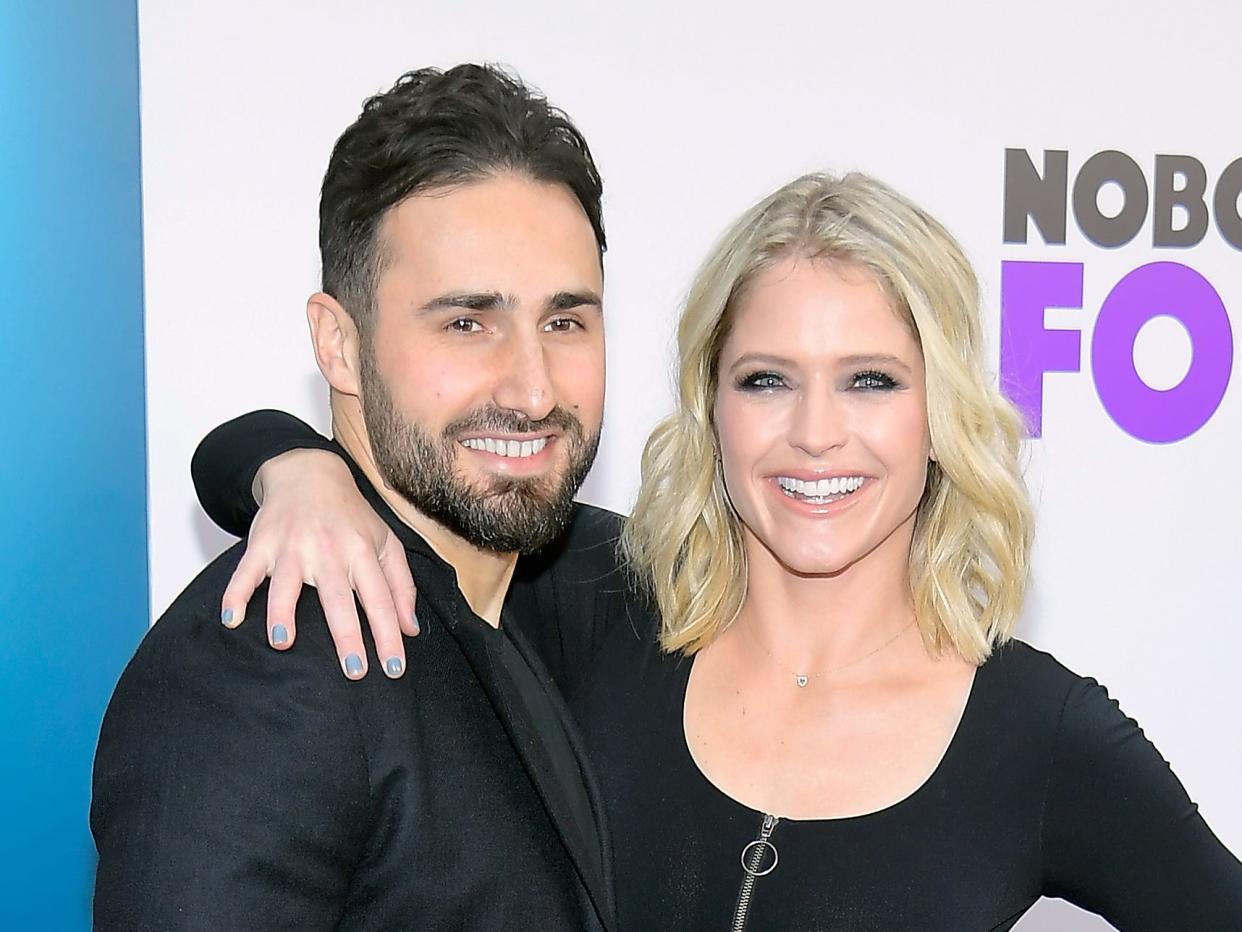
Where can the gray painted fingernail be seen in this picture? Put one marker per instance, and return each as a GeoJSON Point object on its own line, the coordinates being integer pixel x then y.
{"type": "Point", "coordinates": [417, 627]}
{"type": "Point", "coordinates": [393, 666]}
{"type": "Point", "coordinates": [226, 617]}
{"type": "Point", "coordinates": [353, 665]}
{"type": "Point", "coordinates": [280, 634]}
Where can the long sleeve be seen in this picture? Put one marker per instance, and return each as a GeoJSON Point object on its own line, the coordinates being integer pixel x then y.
{"type": "Point", "coordinates": [1122, 838]}
{"type": "Point", "coordinates": [231, 788]}
{"type": "Point", "coordinates": [225, 463]}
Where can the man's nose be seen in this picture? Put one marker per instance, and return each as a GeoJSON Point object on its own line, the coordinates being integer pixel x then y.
{"type": "Point", "coordinates": [525, 383]}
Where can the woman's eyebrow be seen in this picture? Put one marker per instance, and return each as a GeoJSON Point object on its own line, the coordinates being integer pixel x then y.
{"type": "Point", "coordinates": [854, 359]}
{"type": "Point", "coordinates": [875, 359]}
{"type": "Point", "coordinates": [762, 359]}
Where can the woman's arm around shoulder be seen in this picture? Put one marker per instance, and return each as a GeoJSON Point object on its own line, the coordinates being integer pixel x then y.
{"type": "Point", "coordinates": [228, 459]}
{"type": "Point", "coordinates": [271, 476]}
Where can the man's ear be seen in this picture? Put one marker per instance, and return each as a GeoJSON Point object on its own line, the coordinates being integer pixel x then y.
{"type": "Point", "coordinates": [335, 339]}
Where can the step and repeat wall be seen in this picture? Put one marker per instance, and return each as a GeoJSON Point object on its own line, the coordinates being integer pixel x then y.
{"type": "Point", "coordinates": [1084, 156]}
{"type": "Point", "coordinates": [1081, 154]}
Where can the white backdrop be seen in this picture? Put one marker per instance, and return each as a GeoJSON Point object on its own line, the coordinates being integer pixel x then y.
{"type": "Point", "coordinates": [693, 111]}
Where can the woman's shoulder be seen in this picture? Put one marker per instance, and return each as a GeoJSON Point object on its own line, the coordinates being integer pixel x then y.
{"type": "Point", "coordinates": [1025, 685]}
{"type": "Point", "coordinates": [1021, 663]}
{"type": "Point", "coordinates": [1030, 681]}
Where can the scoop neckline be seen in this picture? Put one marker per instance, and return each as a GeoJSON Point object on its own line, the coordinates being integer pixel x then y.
{"type": "Point", "coordinates": [910, 798]}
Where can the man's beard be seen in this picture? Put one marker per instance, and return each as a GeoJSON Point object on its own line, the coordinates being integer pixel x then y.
{"type": "Point", "coordinates": [504, 514]}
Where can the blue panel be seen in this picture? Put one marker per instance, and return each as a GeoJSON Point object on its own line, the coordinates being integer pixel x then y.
{"type": "Point", "coordinates": [73, 540]}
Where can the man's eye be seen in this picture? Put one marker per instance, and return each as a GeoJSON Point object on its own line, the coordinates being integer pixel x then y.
{"type": "Point", "coordinates": [872, 380]}
{"type": "Point", "coordinates": [563, 325]}
{"type": "Point", "coordinates": [760, 381]}
{"type": "Point", "coordinates": [465, 325]}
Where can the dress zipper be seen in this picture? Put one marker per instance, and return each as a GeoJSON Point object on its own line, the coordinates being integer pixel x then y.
{"type": "Point", "coordinates": [753, 858]}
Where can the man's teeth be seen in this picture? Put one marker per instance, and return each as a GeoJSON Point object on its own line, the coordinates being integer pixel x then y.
{"type": "Point", "coordinates": [500, 447]}
{"type": "Point", "coordinates": [821, 488]}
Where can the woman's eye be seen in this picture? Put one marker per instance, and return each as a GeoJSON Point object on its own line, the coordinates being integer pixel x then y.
{"type": "Point", "coordinates": [465, 325]}
{"type": "Point", "coordinates": [760, 381]}
{"type": "Point", "coordinates": [872, 380]}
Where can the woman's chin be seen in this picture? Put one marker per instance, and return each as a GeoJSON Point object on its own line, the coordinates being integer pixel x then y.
{"type": "Point", "coordinates": [814, 563]}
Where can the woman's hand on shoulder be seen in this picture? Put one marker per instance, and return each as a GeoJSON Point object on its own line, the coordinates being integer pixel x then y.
{"type": "Point", "coordinates": [315, 528]}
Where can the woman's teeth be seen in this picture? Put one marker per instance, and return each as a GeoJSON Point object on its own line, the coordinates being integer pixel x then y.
{"type": "Point", "coordinates": [500, 447]}
{"type": "Point", "coordinates": [820, 491]}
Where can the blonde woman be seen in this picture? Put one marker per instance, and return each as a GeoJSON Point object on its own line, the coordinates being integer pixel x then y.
{"type": "Point", "coordinates": [810, 712]}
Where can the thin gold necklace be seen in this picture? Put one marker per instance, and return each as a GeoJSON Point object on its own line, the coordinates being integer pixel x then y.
{"type": "Point", "coordinates": [803, 679]}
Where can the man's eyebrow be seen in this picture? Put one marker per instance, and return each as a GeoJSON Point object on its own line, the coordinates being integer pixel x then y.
{"type": "Point", "coordinates": [567, 300]}
{"type": "Point", "coordinates": [494, 300]}
{"type": "Point", "coordinates": [471, 301]}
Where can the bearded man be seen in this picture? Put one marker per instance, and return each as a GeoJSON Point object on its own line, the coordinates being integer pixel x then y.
{"type": "Point", "coordinates": [460, 330]}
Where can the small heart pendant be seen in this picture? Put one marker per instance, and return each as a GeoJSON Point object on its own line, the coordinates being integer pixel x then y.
{"type": "Point", "coordinates": [801, 679]}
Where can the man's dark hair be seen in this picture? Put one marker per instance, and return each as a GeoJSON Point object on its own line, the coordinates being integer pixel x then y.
{"type": "Point", "coordinates": [432, 129]}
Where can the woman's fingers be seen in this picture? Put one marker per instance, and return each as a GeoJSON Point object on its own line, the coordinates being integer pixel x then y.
{"type": "Point", "coordinates": [315, 528]}
{"type": "Point", "coordinates": [251, 570]}
{"type": "Point", "coordinates": [377, 601]}
{"type": "Point", "coordinates": [336, 595]}
{"type": "Point", "coordinates": [282, 600]}
{"type": "Point", "coordinates": [396, 569]}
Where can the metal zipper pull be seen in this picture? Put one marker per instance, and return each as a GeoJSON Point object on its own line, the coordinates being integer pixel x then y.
{"type": "Point", "coordinates": [753, 857]}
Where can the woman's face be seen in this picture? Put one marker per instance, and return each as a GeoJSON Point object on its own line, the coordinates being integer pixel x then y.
{"type": "Point", "coordinates": [821, 414]}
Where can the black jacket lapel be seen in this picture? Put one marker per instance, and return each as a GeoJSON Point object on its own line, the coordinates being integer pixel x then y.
{"type": "Point", "coordinates": [594, 868]}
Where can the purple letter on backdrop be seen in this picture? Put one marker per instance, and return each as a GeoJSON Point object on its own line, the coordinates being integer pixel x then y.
{"type": "Point", "coordinates": [1028, 350]}
{"type": "Point", "coordinates": [1153, 290]}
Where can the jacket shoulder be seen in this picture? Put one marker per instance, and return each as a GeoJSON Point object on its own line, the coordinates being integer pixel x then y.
{"type": "Point", "coordinates": [592, 524]}
{"type": "Point", "coordinates": [191, 625]}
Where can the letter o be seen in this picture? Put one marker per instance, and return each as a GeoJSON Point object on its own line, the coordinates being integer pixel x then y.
{"type": "Point", "coordinates": [1152, 290]}
{"type": "Point", "coordinates": [1102, 168]}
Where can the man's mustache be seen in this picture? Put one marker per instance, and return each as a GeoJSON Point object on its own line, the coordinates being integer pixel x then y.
{"type": "Point", "coordinates": [513, 422]}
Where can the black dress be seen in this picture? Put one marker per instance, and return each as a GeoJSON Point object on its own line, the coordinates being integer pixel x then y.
{"type": "Point", "coordinates": [1047, 788]}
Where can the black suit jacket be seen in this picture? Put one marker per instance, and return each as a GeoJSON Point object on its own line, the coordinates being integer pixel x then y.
{"type": "Point", "coordinates": [237, 787]}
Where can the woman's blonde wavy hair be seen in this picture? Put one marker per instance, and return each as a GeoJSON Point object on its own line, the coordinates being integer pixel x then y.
{"type": "Point", "coordinates": [969, 558]}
